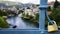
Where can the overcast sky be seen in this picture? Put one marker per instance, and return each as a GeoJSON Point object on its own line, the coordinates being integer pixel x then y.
{"type": "Point", "coordinates": [29, 1]}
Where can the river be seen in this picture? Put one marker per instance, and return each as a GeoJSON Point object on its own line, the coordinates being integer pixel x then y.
{"type": "Point", "coordinates": [23, 24]}
{"type": "Point", "coordinates": [20, 23]}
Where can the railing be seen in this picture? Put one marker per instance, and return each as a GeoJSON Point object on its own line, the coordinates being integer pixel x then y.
{"type": "Point", "coordinates": [43, 9]}
{"type": "Point", "coordinates": [41, 30]}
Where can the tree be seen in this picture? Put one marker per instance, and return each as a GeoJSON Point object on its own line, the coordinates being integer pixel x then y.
{"type": "Point", "coordinates": [3, 23]}
{"type": "Point", "coordinates": [56, 4]}
{"type": "Point", "coordinates": [55, 15]}
{"type": "Point", "coordinates": [37, 16]}
{"type": "Point", "coordinates": [49, 8]}
{"type": "Point", "coordinates": [28, 7]}
{"type": "Point", "coordinates": [57, 18]}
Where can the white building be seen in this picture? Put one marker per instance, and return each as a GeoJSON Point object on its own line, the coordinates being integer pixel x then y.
{"type": "Point", "coordinates": [29, 12]}
{"type": "Point", "coordinates": [36, 10]}
{"type": "Point", "coordinates": [32, 11]}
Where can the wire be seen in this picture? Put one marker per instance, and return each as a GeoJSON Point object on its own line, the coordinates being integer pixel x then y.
{"type": "Point", "coordinates": [49, 20]}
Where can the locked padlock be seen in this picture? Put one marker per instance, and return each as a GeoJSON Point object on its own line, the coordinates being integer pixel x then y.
{"type": "Point", "coordinates": [52, 27]}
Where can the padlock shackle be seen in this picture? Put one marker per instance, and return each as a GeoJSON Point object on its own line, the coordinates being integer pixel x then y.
{"type": "Point", "coordinates": [49, 20]}
{"type": "Point", "coordinates": [53, 22]}
{"type": "Point", "coordinates": [47, 16]}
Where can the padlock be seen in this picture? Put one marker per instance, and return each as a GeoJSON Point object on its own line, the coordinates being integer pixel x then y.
{"type": "Point", "coordinates": [52, 27]}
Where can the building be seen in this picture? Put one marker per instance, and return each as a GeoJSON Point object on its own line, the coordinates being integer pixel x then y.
{"type": "Point", "coordinates": [31, 10]}
{"type": "Point", "coordinates": [51, 4]}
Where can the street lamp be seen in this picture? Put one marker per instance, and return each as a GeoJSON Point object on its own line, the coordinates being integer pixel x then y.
{"type": "Point", "coordinates": [43, 9]}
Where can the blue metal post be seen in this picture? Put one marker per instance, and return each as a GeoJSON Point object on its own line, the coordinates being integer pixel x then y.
{"type": "Point", "coordinates": [43, 8]}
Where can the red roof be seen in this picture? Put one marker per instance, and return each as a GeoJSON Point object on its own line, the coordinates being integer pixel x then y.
{"type": "Point", "coordinates": [51, 3]}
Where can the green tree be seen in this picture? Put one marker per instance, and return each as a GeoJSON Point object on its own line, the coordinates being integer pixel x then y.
{"type": "Point", "coordinates": [56, 4]}
{"type": "Point", "coordinates": [31, 17]}
{"type": "Point", "coordinates": [55, 15]}
{"type": "Point", "coordinates": [3, 23]}
{"type": "Point", "coordinates": [1, 13]}
{"type": "Point", "coordinates": [37, 16]}
{"type": "Point", "coordinates": [28, 7]}
{"type": "Point", "coordinates": [49, 8]}
{"type": "Point", "coordinates": [57, 19]}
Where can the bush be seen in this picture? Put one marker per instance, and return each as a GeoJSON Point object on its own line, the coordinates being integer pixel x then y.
{"type": "Point", "coordinates": [3, 23]}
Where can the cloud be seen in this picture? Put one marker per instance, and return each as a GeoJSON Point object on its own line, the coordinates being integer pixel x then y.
{"type": "Point", "coordinates": [24, 1]}
{"type": "Point", "coordinates": [50, 0]}
{"type": "Point", "coordinates": [28, 1]}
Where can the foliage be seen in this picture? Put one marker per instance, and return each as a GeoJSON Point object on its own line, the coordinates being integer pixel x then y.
{"type": "Point", "coordinates": [37, 16]}
{"type": "Point", "coordinates": [6, 12]}
{"type": "Point", "coordinates": [20, 11]}
{"type": "Point", "coordinates": [2, 13]}
{"type": "Point", "coordinates": [49, 8]}
{"type": "Point", "coordinates": [37, 5]}
{"type": "Point", "coordinates": [23, 14]}
{"type": "Point", "coordinates": [55, 15]}
{"type": "Point", "coordinates": [56, 4]}
{"type": "Point", "coordinates": [3, 23]}
{"type": "Point", "coordinates": [27, 15]}
{"type": "Point", "coordinates": [28, 7]}
{"type": "Point", "coordinates": [31, 18]}
{"type": "Point", "coordinates": [57, 18]}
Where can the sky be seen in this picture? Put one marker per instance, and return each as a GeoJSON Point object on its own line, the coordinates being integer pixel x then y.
{"type": "Point", "coordinates": [29, 1]}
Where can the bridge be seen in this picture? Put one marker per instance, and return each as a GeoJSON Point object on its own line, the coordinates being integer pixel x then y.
{"type": "Point", "coordinates": [41, 30]}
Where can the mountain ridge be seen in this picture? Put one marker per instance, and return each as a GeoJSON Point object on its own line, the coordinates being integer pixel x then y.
{"type": "Point", "coordinates": [11, 3]}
